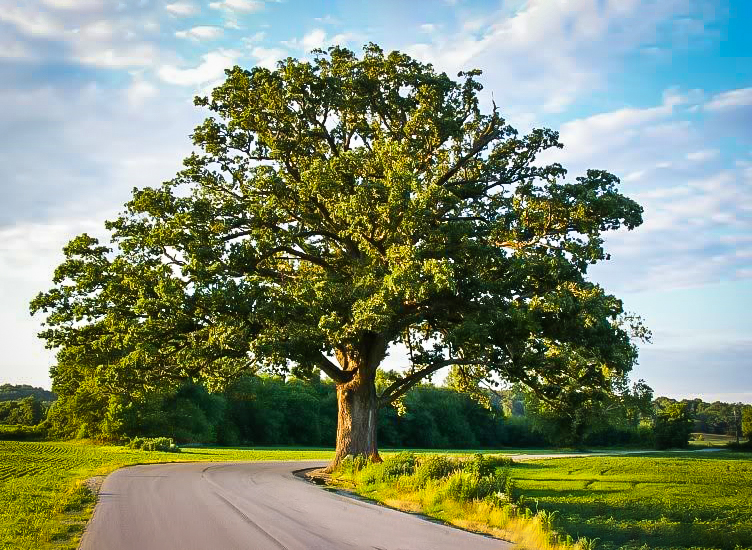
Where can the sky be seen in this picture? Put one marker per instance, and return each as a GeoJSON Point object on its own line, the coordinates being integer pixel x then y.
{"type": "Point", "coordinates": [96, 99]}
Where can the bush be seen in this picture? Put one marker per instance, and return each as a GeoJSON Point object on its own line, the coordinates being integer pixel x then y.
{"type": "Point", "coordinates": [164, 444]}
{"type": "Point", "coordinates": [464, 486]}
{"type": "Point", "coordinates": [22, 433]}
{"type": "Point", "coordinates": [483, 466]}
{"type": "Point", "coordinates": [400, 464]}
{"type": "Point", "coordinates": [744, 446]}
{"type": "Point", "coordinates": [373, 473]}
{"type": "Point", "coordinates": [673, 427]}
{"type": "Point", "coordinates": [434, 467]}
{"type": "Point", "coordinates": [353, 465]}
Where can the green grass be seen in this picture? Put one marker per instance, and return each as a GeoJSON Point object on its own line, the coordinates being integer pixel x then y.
{"type": "Point", "coordinates": [44, 504]}
{"type": "Point", "coordinates": [667, 500]}
{"type": "Point", "coordinates": [710, 440]}
{"type": "Point", "coordinates": [702, 500]}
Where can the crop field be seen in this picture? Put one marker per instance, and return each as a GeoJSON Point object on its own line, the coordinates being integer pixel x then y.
{"type": "Point", "coordinates": [702, 500]}
{"type": "Point", "coordinates": [43, 502]}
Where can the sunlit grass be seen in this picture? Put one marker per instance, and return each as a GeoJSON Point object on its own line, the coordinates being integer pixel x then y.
{"type": "Point", "coordinates": [701, 500]}
{"type": "Point", "coordinates": [667, 500]}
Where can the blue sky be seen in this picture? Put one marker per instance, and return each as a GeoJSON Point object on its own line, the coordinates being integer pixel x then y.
{"type": "Point", "coordinates": [96, 98]}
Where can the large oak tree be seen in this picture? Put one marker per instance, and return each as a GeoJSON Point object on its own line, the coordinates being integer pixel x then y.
{"type": "Point", "coordinates": [334, 208]}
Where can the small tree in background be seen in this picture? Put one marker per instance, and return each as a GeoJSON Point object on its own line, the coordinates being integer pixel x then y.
{"type": "Point", "coordinates": [673, 426]}
{"type": "Point", "coordinates": [747, 422]}
{"type": "Point", "coordinates": [337, 207]}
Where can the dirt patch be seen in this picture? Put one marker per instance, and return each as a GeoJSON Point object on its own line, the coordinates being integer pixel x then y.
{"type": "Point", "coordinates": [319, 476]}
{"type": "Point", "coordinates": [94, 484]}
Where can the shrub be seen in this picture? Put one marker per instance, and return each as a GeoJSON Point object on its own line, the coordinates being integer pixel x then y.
{"type": "Point", "coordinates": [353, 465]}
{"type": "Point", "coordinates": [483, 466]}
{"type": "Point", "coordinates": [399, 465]}
{"type": "Point", "coordinates": [372, 473]}
{"type": "Point", "coordinates": [164, 444]}
{"type": "Point", "coordinates": [22, 433]}
{"type": "Point", "coordinates": [434, 467]}
{"type": "Point", "coordinates": [673, 427]}
{"type": "Point", "coordinates": [463, 486]}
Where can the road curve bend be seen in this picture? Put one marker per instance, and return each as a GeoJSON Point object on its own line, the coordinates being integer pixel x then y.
{"type": "Point", "coordinates": [252, 506]}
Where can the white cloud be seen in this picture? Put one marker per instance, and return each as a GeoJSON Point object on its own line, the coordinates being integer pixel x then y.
{"type": "Point", "coordinates": [314, 39]}
{"type": "Point", "coordinates": [74, 4]}
{"type": "Point", "coordinates": [729, 100]}
{"type": "Point", "coordinates": [32, 22]}
{"type": "Point", "coordinates": [544, 53]}
{"type": "Point", "coordinates": [241, 6]}
{"type": "Point", "coordinates": [328, 20]}
{"type": "Point", "coordinates": [254, 38]}
{"type": "Point", "coordinates": [211, 68]}
{"type": "Point", "coordinates": [101, 29]}
{"type": "Point", "coordinates": [703, 155]}
{"type": "Point", "coordinates": [137, 55]}
{"type": "Point", "coordinates": [268, 57]}
{"type": "Point", "coordinates": [140, 91]}
{"type": "Point", "coordinates": [318, 38]}
{"type": "Point", "coordinates": [96, 145]}
{"type": "Point", "coordinates": [693, 209]}
{"type": "Point", "coordinates": [12, 49]}
{"type": "Point", "coordinates": [202, 32]}
{"type": "Point", "coordinates": [183, 9]}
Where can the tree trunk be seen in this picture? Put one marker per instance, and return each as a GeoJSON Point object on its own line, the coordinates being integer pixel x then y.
{"type": "Point", "coordinates": [357, 418]}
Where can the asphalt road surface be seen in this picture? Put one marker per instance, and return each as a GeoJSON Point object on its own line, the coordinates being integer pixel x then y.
{"type": "Point", "coordinates": [252, 506]}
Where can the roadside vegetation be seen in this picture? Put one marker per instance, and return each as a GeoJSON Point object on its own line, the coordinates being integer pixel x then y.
{"type": "Point", "coordinates": [632, 502]}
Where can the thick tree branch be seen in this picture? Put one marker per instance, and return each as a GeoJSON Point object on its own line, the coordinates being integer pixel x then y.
{"type": "Point", "coordinates": [333, 371]}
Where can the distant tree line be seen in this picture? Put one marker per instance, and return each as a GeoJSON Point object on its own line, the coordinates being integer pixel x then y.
{"type": "Point", "coordinates": [254, 410]}
{"type": "Point", "coordinates": [14, 392]}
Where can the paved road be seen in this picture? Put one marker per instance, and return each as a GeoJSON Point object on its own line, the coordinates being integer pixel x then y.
{"type": "Point", "coordinates": [252, 506]}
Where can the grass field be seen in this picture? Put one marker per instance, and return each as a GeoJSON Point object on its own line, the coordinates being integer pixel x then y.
{"type": "Point", "coordinates": [652, 501]}
{"type": "Point", "coordinates": [669, 500]}
{"type": "Point", "coordinates": [710, 440]}
{"type": "Point", "coordinates": [702, 500]}
{"type": "Point", "coordinates": [43, 503]}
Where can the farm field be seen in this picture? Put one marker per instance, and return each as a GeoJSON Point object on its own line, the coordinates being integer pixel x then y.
{"type": "Point", "coordinates": [667, 500]}
{"type": "Point", "coordinates": [43, 503]}
{"type": "Point", "coordinates": [652, 501]}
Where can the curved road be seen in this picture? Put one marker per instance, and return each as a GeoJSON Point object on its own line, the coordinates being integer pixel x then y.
{"type": "Point", "coordinates": [252, 506]}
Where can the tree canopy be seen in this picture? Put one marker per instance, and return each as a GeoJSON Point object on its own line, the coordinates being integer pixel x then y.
{"type": "Point", "coordinates": [335, 207]}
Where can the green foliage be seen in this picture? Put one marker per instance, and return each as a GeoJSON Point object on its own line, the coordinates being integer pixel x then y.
{"type": "Point", "coordinates": [434, 467]}
{"type": "Point", "coordinates": [615, 416]}
{"type": "Point", "coordinates": [484, 466]}
{"type": "Point", "coordinates": [673, 427]}
{"type": "Point", "coordinates": [464, 486]}
{"type": "Point", "coordinates": [162, 444]}
{"type": "Point", "coordinates": [353, 464]}
{"type": "Point", "coordinates": [747, 422]}
{"type": "Point", "coordinates": [400, 464]}
{"type": "Point", "coordinates": [16, 392]}
{"type": "Point", "coordinates": [22, 433]}
{"type": "Point", "coordinates": [27, 411]}
{"type": "Point", "coordinates": [334, 207]}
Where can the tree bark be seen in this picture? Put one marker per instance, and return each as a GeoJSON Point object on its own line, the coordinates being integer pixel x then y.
{"type": "Point", "coordinates": [357, 419]}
